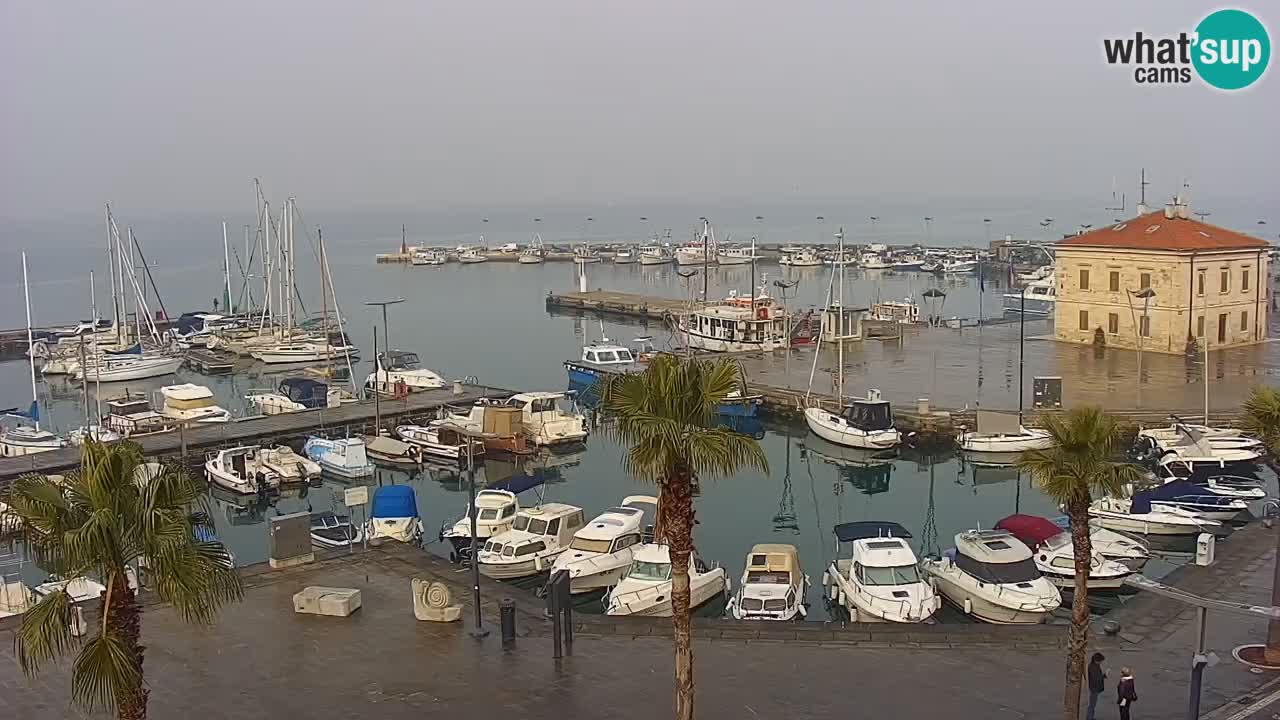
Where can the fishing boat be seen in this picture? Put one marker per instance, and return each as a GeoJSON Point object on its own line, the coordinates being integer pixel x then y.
{"type": "Point", "coordinates": [1136, 515]}
{"type": "Point", "coordinates": [584, 254]}
{"type": "Point", "coordinates": [862, 423]}
{"type": "Point", "coordinates": [902, 312]}
{"type": "Point", "coordinates": [535, 254]}
{"type": "Point", "coordinates": [394, 515]}
{"type": "Point", "coordinates": [601, 551]}
{"type": "Point", "coordinates": [294, 395]}
{"type": "Point", "coordinates": [472, 256]}
{"type": "Point", "coordinates": [28, 439]}
{"type": "Point", "coordinates": [801, 258]}
{"type": "Point", "coordinates": [240, 470]}
{"type": "Point", "coordinates": [773, 587]}
{"type": "Point", "coordinates": [191, 403]}
{"type": "Point", "coordinates": [991, 576]}
{"type": "Point", "coordinates": [345, 457]}
{"type": "Point", "coordinates": [401, 369]}
{"type": "Point", "coordinates": [655, 255]}
{"type": "Point", "coordinates": [1038, 297]}
{"type": "Point", "coordinates": [738, 255]}
{"type": "Point", "coordinates": [645, 588]}
{"type": "Point", "coordinates": [874, 261]}
{"type": "Point", "coordinates": [908, 263]}
{"type": "Point", "coordinates": [538, 535]}
{"type": "Point", "coordinates": [330, 530]}
{"type": "Point", "coordinates": [701, 251]}
{"type": "Point", "coordinates": [428, 257]}
{"type": "Point", "coordinates": [436, 438]}
{"type": "Point", "coordinates": [495, 511]}
{"type": "Point", "coordinates": [625, 256]}
{"type": "Point", "coordinates": [736, 324]}
{"type": "Point", "coordinates": [880, 579]}
{"type": "Point", "coordinates": [1054, 554]}
{"type": "Point", "coordinates": [132, 416]}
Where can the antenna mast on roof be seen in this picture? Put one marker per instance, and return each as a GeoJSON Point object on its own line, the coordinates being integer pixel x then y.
{"type": "Point", "coordinates": [1113, 198]}
{"type": "Point", "coordinates": [1143, 182]}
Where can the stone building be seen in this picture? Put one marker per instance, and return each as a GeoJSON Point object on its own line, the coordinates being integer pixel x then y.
{"type": "Point", "coordinates": [1159, 281]}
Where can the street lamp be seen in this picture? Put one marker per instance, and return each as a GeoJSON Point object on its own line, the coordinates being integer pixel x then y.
{"type": "Point", "coordinates": [386, 336]}
{"type": "Point", "coordinates": [478, 631]}
{"type": "Point", "coordinates": [1146, 294]}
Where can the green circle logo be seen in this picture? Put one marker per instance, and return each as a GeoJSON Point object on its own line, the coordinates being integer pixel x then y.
{"type": "Point", "coordinates": [1231, 49]}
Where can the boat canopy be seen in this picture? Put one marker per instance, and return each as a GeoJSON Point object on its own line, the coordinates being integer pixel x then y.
{"type": "Point", "coordinates": [869, 414]}
{"type": "Point", "coordinates": [306, 392]}
{"type": "Point", "coordinates": [1185, 491]}
{"type": "Point", "coordinates": [400, 360]}
{"type": "Point", "coordinates": [850, 531]}
{"type": "Point", "coordinates": [1032, 530]}
{"type": "Point", "coordinates": [388, 446]}
{"type": "Point", "coordinates": [394, 501]}
{"type": "Point", "coordinates": [519, 483]}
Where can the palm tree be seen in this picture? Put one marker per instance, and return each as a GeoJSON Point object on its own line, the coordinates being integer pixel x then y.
{"type": "Point", "coordinates": [1262, 418]}
{"type": "Point", "coordinates": [113, 514]}
{"type": "Point", "coordinates": [666, 415]}
{"type": "Point", "coordinates": [1079, 466]}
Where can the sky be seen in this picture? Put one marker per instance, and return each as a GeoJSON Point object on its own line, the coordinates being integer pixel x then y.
{"type": "Point", "coordinates": [177, 106]}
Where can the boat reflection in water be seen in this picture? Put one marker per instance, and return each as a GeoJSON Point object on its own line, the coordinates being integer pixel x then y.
{"type": "Point", "coordinates": [867, 470]}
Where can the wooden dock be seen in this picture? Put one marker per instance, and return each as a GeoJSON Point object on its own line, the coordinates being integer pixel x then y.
{"type": "Point", "coordinates": [617, 303]}
{"type": "Point", "coordinates": [347, 420]}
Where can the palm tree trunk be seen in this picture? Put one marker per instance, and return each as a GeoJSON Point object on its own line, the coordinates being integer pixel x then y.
{"type": "Point", "coordinates": [678, 516]}
{"type": "Point", "coordinates": [125, 621]}
{"type": "Point", "coordinates": [1082, 548]}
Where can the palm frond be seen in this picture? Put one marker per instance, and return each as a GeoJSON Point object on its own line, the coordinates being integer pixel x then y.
{"type": "Point", "coordinates": [1262, 417]}
{"type": "Point", "coordinates": [46, 632]}
{"type": "Point", "coordinates": [104, 671]}
{"type": "Point", "coordinates": [1082, 464]}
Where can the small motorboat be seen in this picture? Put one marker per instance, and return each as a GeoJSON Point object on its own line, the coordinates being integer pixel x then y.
{"type": "Point", "coordinates": [626, 256]}
{"type": "Point", "coordinates": [1127, 550]}
{"type": "Point", "coordinates": [991, 576]}
{"type": "Point", "coordinates": [601, 551]}
{"type": "Point", "coordinates": [548, 418]}
{"type": "Point", "coordinates": [437, 439]}
{"type": "Point", "coordinates": [330, 530]}
{"type": "Point", "coordinates": [1195, 499]}
{"type": "Point", "coordinates": [95, 433]}
{"type": "Point", "coordinates": [645, 589]}
{"type": "Point", "coordinates": [1233, 486]}
{"type": "Point", "coordinates": [538, 535]}
{"type": "Point", "coordinates": [241, 470]}
{"type": "Point", "coordinates": [1026, 440]}
{"type": "Point", "coordinates": [389, 451]}
{"type": "Point", "coordinates": [401, 369]}
{"type": "Point", "coordinates": [863, 423]}
{"type": "Point", "coordinates": [1138, 516]}
{"type": "Point", "coordinates": [28, 439]}
{"type": "Point", "coordinates": [394, 515]}
{"type": "Point", "coordinates": [425, 256]}
{"type": "Point", "coordinates": [472, 256]}
{"type": "Point", "coordinates": [289, 466]}
{"type": "Point", "coordinates": [880, 580]}
{"type": "Point", "coordinates": [191, 403]}
{"type": "Point", "coordinates": [773, 586]}
{"type": "Point", "coordinates": [294, 395]}
{"type": "Point", "coordinates": [655, 255]}
{"type": "Point", "coordinates": [1054, 554]}
{"type": "Point", "coordinates": [495, 511]}
{"type": "Point", "coordinates": [345, 457]}
{"type": "Point", "coordinates": [800, 258]}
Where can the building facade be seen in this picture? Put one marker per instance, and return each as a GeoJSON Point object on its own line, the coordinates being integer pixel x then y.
{"type": "Point", "coordinates": [1161, 282]}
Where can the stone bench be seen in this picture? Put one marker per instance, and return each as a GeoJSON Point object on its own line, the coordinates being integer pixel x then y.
{"type": "Point", "coordinates": [336, 602]}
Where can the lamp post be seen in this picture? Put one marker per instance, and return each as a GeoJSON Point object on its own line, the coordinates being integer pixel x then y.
{"type": "Point", "coordinates": [1146, 294]}
{"type": "Point", "coordinates": [479, 630]}
{"type": "Point", "coordinates": [386, 336]}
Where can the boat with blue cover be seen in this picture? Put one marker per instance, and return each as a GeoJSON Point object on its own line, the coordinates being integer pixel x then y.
{"type": "Point", "coordinates": [394, 515]}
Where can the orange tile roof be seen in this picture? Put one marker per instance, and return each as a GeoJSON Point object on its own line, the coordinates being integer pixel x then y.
{"type": "Point", "coordinates": [1154, 231]}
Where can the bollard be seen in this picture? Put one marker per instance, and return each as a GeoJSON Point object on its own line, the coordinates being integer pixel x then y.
{"type": "Point", "coordinates": [507, 613]}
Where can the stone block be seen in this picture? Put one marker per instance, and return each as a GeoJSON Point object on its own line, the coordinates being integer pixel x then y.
{"type": "Point", "coordinates": [432, 602]}
{"type": "Point", "coordinates": [335, 602]}
{"type": "Point", "coordinates": [282, 563]}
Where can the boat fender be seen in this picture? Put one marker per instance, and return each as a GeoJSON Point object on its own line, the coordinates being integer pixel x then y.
{"type": "Point", "coordinates": [537, 564]}
{"type": "Point", "coordinates": [803, 611]}
{"type": "Point", "coordinates": [968, 606]}
{"type": "Point", "coordinates": [839, 596]}
{"type": "Point", "coordinates": [826, 578]}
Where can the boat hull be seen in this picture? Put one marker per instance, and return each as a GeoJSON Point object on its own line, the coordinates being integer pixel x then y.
{"type": "Point", "coordinates": [1135, 524]}
{"type": "Point", "coordinates": [832, 430]}
{"type": "Point", "coordinates": [973, 442]}
{"type": "Point", "coordinates": [148, 368]}
{"type": "Point", "coordinates": [518, 570]}
{"type": "Point", "coordinates": [655, 601]}
{"type": "Point", "coordinates": [981, 606]}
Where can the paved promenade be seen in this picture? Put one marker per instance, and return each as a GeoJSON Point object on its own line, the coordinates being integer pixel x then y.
{"type": "Point", "coordinates": [262, 661]}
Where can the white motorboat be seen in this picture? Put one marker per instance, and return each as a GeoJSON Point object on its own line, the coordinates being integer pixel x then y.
{"type": "Point", "coordinates": [401, 369]}
{"type": "Point", "coordinates": [27, 440]}
{"type": "Point", "coordinates": [472, 256]}
{"type": "Point", "coordinates": [645, 589]}
{"type": "Point", "coordinates": [1136, 515]}
{"type": "Point", "coordinates": [308, 351]}
{"type": "Point", "coordinates": [864, 423]}
{"type": "Point", "coordinates": [737, 324]}
{"type": "Point", "coordinates": [1028, 439]}
{"type": "Point", "coordinates": [654, 255]}
{"type": "Point", "coordinates": [120, 368]}
{"type": "Point", "coordinates": [1128, 550]}
{"type": "Point", "coordinates": [957, 267]}
{"type": "Point", "coordinates": [330, 530]}
{"type": "Point", "coordinates": [1202, 453]}
{"type": "Point", "coordinates": [531, 256]}
{"type": "Point", "coordinates": [289, 466]}
{"type": "Point", "coordinates": [990, 575]}
{"type": "Point", "coordinates": [626, 256]}
{"type": "Point", "coordinates": [1195, 499]}
{"type": "Point", "coordinates": [132, 416]}
{"type": "Point", "coordinates": [240, 469]}
{"type": "Point", "coordinates": [538, 535]}
{"type": "Point", "coordinates": [495, 511]}
{"type": "Point", "coordinates": [1179, 430]}
{"type": "Point", "coordinates": [294, 395]}
{"type": "Point", "coordinates": [344, 457]}
{"type": "Point", "coordinates": [880, 580]}
{"type": "Point", "coordinates": [94, 433]}
{"type": "Point", "coordinates": [546, 421]}
{"type": "Point", "coordinates": [773, 586]}
{"type": "Point", "coordinates": [437, 439]}
{"type": "Point", "coordinates": [394, 515]}
{"type": "Point", "coordinates": [801, 258]}
{"type": "Point", "coordinates": [1054, 554]}
{"type": "Point", "coordinates": [389, 451]}
{"type": "Point", "coordinates": [738, 255]}
{"type": "Point", "coordinates": [601, 551]}
{"type": "Point", "coordinates": [583, 254]}
{"type": "Point", "coordinates": [902, 312]}
{"type": "Point", "coordinates": [1036, 298]}
{"type": "Point", "coordinates": [424, 256]}
{"type": "Point", "coordinates": [191, 403]}
{"type": "Point", "coordinates": [1234, 486]}
{"type": "Point", "coordinates": [874, 261]}
{"type": "Point", "coordinates": [1039, 273]}
{"type": "Point", "coordinates": [908, 262]}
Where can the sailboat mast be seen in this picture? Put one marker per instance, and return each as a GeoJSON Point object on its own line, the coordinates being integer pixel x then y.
{"type": "Point", "coordinates": [111, 265]}
{"type": "Point", "coordinates": [840, 323]}
{"type": "Point", "coordinates": [266, 263]}
{"type": "Point", "coordinates": [324, 295]}
{"type": "Point", "coordinates": [1206, 380]}
{"type": "Point", "coordinates": [226, 270]}
{"type": "Point", "coordinates": [93, 307]}
{"type": "Point", "coordinates": [137, 310]}
{"type": "Point", "coordinates": [26, 296]}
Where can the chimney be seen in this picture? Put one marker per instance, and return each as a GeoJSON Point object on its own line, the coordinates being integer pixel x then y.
{"type": "Point", "coordinates": [1168, 211]}
{"type": "Point", "coordinates": [1183, 208]}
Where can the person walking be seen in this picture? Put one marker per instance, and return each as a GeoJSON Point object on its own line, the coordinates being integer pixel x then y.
{"type": "Point", "coordinates": [1126, 693]}
{"type": "Point", "coordinates": [1097, 683]}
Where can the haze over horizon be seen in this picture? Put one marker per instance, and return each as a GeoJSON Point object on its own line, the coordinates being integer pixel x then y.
{"type": "Point", "coordinates": [176, 107]}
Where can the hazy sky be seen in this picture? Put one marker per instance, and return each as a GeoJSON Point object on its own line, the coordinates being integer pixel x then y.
{"type": "Point", "coordinates": [178, 105]}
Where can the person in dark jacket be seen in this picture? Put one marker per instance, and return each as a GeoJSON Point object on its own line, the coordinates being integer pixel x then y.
{"type": "Point", "coordinates": [1126, 693]}
{"type": "Point", "coordinates": [1097, 683]}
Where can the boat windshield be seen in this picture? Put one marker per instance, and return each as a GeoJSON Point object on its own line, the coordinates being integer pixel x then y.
{"type": "Point", "coordinates": [402, 361]}
{"type": "Point", "coordinates": [488, 514]}
{"type": "Point", "coordinates": [896, 575]}
{"type": "Point", "coordinates": [592, 546]}
{"type": "Point", "coordinates": [650, 571]}
{"type": "Point", "coordinates": [538, 527]}
{"type": "Point", "coordinates": [999, 573]}
{"type": "Point", "coordinates": [771, 577]}
{"type": "Point", "coordinates": [521, 523]}
{"type": "Point", "coordinates": [870, 416]}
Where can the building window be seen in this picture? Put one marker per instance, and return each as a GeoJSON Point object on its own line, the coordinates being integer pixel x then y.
{"type": "Point", "coordinates": [1084, 279]}
{"type": "Point", "coordinates": [1145, 281]}
{"type": "Point", "coordinates": [1224, 279]}
{"type": "Point", "coordinates": [1113, 323]}
{"type": "Point", "coordinates": [1244, 320]}
{"type": "Point", "coordinates": [1200, 284]}
{"type": "Point", "coordinates": [1114, 281]}
{"type": "Point", "coordinates": [1200, 326]}
{"type": "Point", "coordinates": [1084, 318]}
{"type": "Point", "coordinates": [1244, 280]}
{"type": "Point", "coordinates": [1144, 326]}
{"type": "Point", "coordinates": [1222, 328]}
